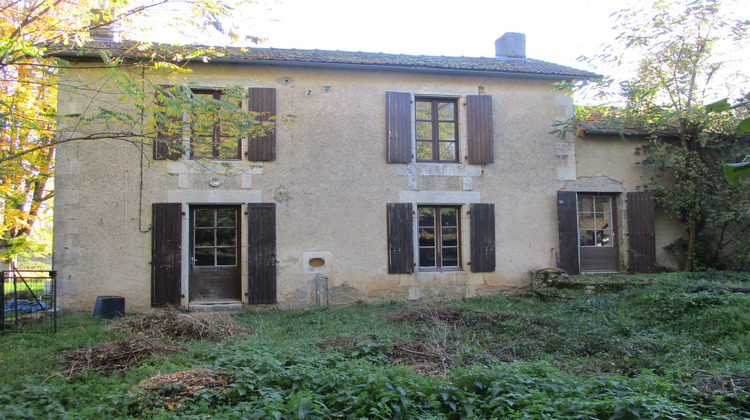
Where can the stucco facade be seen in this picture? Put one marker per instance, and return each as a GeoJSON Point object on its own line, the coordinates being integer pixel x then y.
{"type": "Point", "coordinates": [330, 184]}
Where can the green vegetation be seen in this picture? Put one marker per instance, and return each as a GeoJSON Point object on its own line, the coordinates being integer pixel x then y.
{"type": "Point", "coordinates": [662, 346]}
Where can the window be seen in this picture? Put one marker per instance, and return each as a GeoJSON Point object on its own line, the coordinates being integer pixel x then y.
{"type": "Point", "coordinates": [439, 243]}
{"type": "Point", "coordinates": [436, 130]}
{"type": "Point", "coordinates": [207, 139]}
{"type": "Point", "coordinates": [434, 123]}
{"type": "Point", "coordinates": [594, 221]}
{"type": "Point", "coordinates": [214, 237]}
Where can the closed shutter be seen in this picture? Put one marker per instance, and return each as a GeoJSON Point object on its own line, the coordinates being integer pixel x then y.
{"type": "Point", "coordinates": [166, 253]}
{"type": "Point", "coordinates": [567, 220]}
{"type": "Point", "coordinates": [261, 250]}
{"type": "Point", "coordinates": [480, 138]}
{"type": "Point", "coordinates": [400, 238]}
{"type": "Point", "coordinates": [482, 239]}
{"type": "Point", "coordinates": [263, 100]}
{"type": "Point", "coordinates": [166, 144]}
{"type": "Point", "coordinates": [641, 238]}
{"type": "Point", "coordinates": [398, 127]}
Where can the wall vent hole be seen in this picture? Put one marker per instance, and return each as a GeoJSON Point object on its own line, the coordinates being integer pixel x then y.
{"type": "Point", "coordinates": [316, 262]}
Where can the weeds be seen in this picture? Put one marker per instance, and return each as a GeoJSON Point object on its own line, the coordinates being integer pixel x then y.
{"type": "Point", "coordinates": [669, 346]}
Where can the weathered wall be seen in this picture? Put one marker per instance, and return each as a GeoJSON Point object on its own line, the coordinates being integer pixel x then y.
{"type": "Point", "coordinates": [331, 184]}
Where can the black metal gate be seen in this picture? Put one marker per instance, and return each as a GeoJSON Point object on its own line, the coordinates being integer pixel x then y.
{"type": "Point", "coordinates": [28, 301]}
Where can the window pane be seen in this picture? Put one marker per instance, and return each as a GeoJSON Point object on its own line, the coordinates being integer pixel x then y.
{"type": "Point", "coordinates": [424, 110]}
{"type": "Point", "coordinates": [226, 256]}
{"type": "Point", "coordinates": [448, 217]}
{"type": "Point", "coordinates": [586, 238]}
{"type": "Point", "coordinates": [602, 220]}
{"type": "Point", "coordinates": [604, 238]}
{"type": "Point", "coordinates": [204, 218]}
{"type": "Point", "coordinates": [204, 257]}
{"type": "Point", "coordinates": [201, 146]}
{"type": "Point", "coordinates": [424, 150]}
{"type": "Point", "coordinates": [447, 151]}
{"type": "Point", "coordinates": [427, 257]}
{"type": "Point", "coordinates": [226, 218]}
{"type": "Point", "coordinates": [204, 237]}
{"type": "Point", "coordinates": [586, 204]}
{"type": "Point", "coordinates": [427, 216]}
{"type": "Point", "coordinates": [226, 237]}
{"type": "Point", "coordinates": [450, 257]}
{"type": "Point", "coordinates": [446, 111]}
{"type": "Point", "coordinates": [229, 148]}
{"type": "Point", "coordinates": [450, 237]}
{"type": "Point", "coordinates": [602, 204]}
{"type": "Point", "coordinates": [586, 221]}
{"type": "Point", "coordinates": [447, 131]}
{"type": "Point", "coordinates": [427, 237]}
{"type": "Point", "coordinates": [424, 130]}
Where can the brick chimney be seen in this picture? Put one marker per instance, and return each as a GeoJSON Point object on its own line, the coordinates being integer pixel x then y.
{"type": "Point", "coordinates": [511, 45]}
{"type": "Point", "coordinates": [109, 32]}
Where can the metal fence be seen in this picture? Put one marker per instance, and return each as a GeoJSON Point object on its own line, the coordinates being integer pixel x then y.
{"type": "Point", "coordinates": [28, 301]}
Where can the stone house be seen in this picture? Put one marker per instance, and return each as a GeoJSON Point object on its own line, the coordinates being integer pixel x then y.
{"type": "Point", "coordinates": [404, 177]}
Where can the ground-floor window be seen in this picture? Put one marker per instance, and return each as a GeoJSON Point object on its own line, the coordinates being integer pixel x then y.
{"type": "Point", "coordinates": [439, 236]}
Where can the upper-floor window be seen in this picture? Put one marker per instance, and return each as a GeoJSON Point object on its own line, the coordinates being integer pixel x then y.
{"type": "Point", "coordinates": [210, 136]}
{"type": "Point", "coordinates": [436, 129]}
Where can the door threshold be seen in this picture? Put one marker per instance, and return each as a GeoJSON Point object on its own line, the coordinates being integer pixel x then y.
{"type": "Point", "coordinates": [230, 307]}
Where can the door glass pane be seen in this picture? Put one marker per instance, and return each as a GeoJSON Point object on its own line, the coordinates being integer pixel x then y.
{"type": "Point", "coordinates": [204, 237]}
{"type": "Point", "coordinates": [204, 257]}
{"type": "Point", "coordinates": [602, 204]}
{"type": "Point", "coordinates": [585, 204]}
{"type": "Point", "coordinates": [604, 238]}
{"type": "Point", "coordinates": [226, 256]}
{"type": "Point", "coordinates": [226, 237]}
{"type": "Point", "coordinates": [204, 218]}
{"type": "Point", "coordinates": [586, 221]}
{"type": "Point", "coordinates": [226, 218]}
{"type": "Point", "coordinates": [586, 238]}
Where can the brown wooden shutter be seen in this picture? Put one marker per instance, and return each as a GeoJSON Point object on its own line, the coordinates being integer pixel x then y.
{"type": "Point", "coordinates": [398, 127]}
{"type": "Point", "coordinates": [567, 220]}
{"type": "Point", "coordinates": [262, 100]}
{"type": "Point", "coordinates": [482, 241]}
{"type": "Point", "coordinates": [261, 244]}
{"type": "Point", "coordinates": [166, 254]}
{"type": "Point", "coordinates": [641, 238]}
{"type": "Point", "coordinates": [480, 138]}
{"type": "Point", "coordinates": [165, 145]}
{"type": "Point", "coordinates": [400, 238]}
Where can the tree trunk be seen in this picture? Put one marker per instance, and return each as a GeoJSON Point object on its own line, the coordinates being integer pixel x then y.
{"type": "Point", "coordinates": [692, 236]}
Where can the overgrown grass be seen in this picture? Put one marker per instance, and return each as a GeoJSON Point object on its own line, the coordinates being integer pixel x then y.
{"type": "Point", "coordinates": [667, 346]}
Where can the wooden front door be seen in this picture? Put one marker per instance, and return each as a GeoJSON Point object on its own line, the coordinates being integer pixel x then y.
{"type": "Point", "coordinates": [597, 246]}
{"type": "Point", "coordinates": [215, 254]}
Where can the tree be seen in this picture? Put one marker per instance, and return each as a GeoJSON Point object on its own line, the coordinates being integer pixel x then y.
{"type": "Point", "coordinates": [31, 33]}
{"type": "Point", "coordinates": [677, 69]}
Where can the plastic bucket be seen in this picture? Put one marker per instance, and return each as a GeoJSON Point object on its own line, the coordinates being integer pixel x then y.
{"type": "Point", "coordinates": [109, 306]}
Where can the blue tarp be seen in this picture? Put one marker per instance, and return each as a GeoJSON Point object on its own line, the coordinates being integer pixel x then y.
{"type": "Point", "coordinates": [25, 306]}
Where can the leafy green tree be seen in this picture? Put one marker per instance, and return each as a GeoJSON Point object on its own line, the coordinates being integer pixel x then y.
{"type": "Point", "coordinates": [32, 34]}
{"type": "Point", "coordinates": [674, 46]}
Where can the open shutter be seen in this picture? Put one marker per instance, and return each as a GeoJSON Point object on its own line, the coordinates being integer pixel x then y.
{"type": "Point", "coordinates": [480, 138]}
{"type": "Point", "coordinates": [482, 233]}
{"type": "Point", "coordinates": [398, 129]}
{"type": "Point", "coordinates": [166, 144]}
{"type": "Point", "coordinates": [263, 100]}
{"type": "Point", "coordinates": [400, 238]}
{"type": "Point", "coordinates": [166, 252]}
{"type": "Point", "coordinates": [567, 219]}
{"type": "Point", "coordinates": [261, 258]}
{"type": "Point", "coordinates": [641, 237]}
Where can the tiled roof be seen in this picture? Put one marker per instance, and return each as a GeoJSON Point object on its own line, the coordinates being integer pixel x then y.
{"type": "Point", "coordinates": [492, 65]}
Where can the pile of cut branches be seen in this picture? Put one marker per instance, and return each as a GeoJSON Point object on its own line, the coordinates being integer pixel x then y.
{"type": "Point", "coordinates": [426, 315]}
{"type": "Point", "coordinates": [115, 355]}
{"type": "Point", "coordinates": [172, 323]}
{"type": "Point", "coordinates": [169, 390]}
